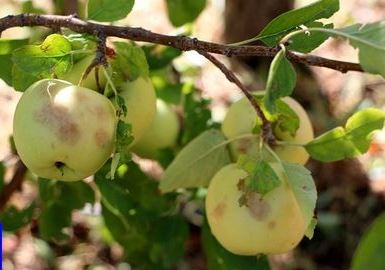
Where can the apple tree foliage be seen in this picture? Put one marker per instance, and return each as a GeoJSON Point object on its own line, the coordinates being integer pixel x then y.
{"type": "Point", "coordinates": [145, 216]}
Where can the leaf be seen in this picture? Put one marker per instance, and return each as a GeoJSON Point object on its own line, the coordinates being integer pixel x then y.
{"type": "Point", "coordinates": [129, 63]}
{"type": "Point", "coordinates": [306, 42]}
{"type": "Point", "coordinates": [32, 62]}
{"type": "Point", "coordinates": [197, 163]}
{"type": "Point", "coordinates": [348, 142]}
{"type": "Point", "coordinates": [6, 48]}
{"type": "Point", "coordinates": [280, 82]}
{"type": "Point", "coordinates": [135, 212]}
{"type": "Point", "coordinates": [159, 56]}
{"type": "Point", "coordinates": [197, 116]}
{"type": "Point", "coordinates": [13, 219]}
{"type": "Point", "coordinates": [305, 192]}
{"type": "Point", "coordinates": [124, 139]}
{"type": "Point", "coordinates": [218, 258]}
{"type": "Point", "coordinates": [184, 11]}
{"type": "Point", "coordinates": [261, 176]}
{"type": "Point", "coordinates": [370, 41]}
{"type": "Point", "coordinates": [286, 22]}
{"type": "Point", "coordinates": [21, 79]}
{"type": "Point", "coordinates": [109, 10]}
{"type": "Point", "coordinates": [59, 199]}
{"type": "Point", "coordinates": [371, 249]}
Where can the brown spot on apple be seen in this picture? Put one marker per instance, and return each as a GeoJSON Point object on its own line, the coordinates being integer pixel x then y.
{"type": "Point", "coordinates": [219, 210]}
{"type": "Point", "coordinates": [258, 207]}
{"type": "Point", "coordinates": [60, 121]}
{"type": "Point", "coordinates": [271, 224]}
{"type": "Point", "coordinates": [101, 137]}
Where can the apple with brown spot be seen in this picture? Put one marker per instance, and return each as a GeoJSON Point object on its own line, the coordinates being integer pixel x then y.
{"type": "Point", "coordinates": [268, 224]}
{"type": "Point", "coordinates": [63, 131]}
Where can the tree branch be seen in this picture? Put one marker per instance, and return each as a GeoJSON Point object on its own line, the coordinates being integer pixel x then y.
{"type": "Point", "coordinates": [13, 185]}
{"type": "Point", "coordinates": [182, 43]}
{"type": "Point", "coordinates": [267, 133]}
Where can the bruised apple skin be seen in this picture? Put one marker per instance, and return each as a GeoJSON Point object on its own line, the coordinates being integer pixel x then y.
{"type": "Point", "coordinates": [241, 119]}
{"type": "Point", "coordinates": [163, 132]}
{"type": "Point", "coordinates": [271, 224]}
{"type": "Point", "coordinates": [62, 131]}
{"type": "Point", "coordinates": [140, 100]}
{"type": "Point", "coordinates": [77, 70]}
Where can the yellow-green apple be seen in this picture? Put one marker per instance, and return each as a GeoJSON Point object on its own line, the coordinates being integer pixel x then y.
{"type": "Point", "coordinates": [62, 131]}
{"type": "Point", "coordinates": [241, 118]}
{"type": "Point", "coordinates": [74, 75]}
{"type": "Point", "coordinates": [140, 100]}
{"type": "Point", "coordinates": [268, 224]}
{"type": "Point", "coordinates": [162, 133]}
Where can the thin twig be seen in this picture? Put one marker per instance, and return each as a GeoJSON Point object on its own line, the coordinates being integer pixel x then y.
{"type": "Point", "coordinates": [13, 185]}
{"type": "Point", "coordinates": [100, 59]}
{"type": "Point", "coordinates": [267, 133]}
{"type": "Point", "coordinates": [182, 43]}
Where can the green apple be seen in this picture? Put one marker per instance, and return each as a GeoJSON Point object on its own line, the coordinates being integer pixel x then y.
{"type": "Point", "coordinates": [77, 70]}
{"type": "Point", "coordinates": [162, 133]}
{"type": "Point", "coordinates": [241, 119]}
{"type": "Point", "coordinates": [269, 224]}
{"type": "Point", "coordinates": [62, 131]}
{"type": "Point", "coordinates": [140, 100]}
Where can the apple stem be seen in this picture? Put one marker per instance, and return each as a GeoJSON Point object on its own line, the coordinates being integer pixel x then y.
{"type": "Point", "coordinates": [267, 132]}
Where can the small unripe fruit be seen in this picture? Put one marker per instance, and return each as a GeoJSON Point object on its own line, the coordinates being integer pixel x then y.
{"type": "Point", "coordinates": [241, 118]}
{"type": "Point", "coordinates": [162, 133]}
{"type": "Point", "coordinates": [140, 100]}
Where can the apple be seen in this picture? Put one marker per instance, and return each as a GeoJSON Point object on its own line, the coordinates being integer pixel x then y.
{"type": "Point", "coordinates": [162, 133]}
{"type": "Point", "coordinates": [241, 119]}
{"type": "Point", "coordinates": [140, 100]}
{"type": "Point", "coordinates": [74, 75]}
{"type": "Point", "coordinates": [62, 131]}
{"type": "Point", "coordinates": [269, 224]}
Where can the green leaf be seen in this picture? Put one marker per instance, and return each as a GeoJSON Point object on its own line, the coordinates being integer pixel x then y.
{"type": "Point", "coordinates": [197, 116]}
{"type": "Point", "coordinates": [129, 63]}
{"type": "Point", "coordinates": [109, 10]}
{"type": "Point", "coordinates": [348, 142]}
{"type": "Point", "coordinates": [218, 258]}
{"type": "Point", "coordinates": [306, 42]}
{"type": "Point", "coordinates": [135, 212]}
{"type": "Point", "coordinates": [370, 41]}
{"type": "Point", "coordinates": [159, 56]}
{"type": "Point", "coordinates": [184, 11]}
{"type": "Point", "coordinates": [371, 249]}
{"type": "Point", "coordinates": [13, 219]}
{"type": "Point", "coordinates": [59, 199]}
{"type": "Point", "coordinates": [197, 163]}
{"type": "Point", "coordinates": [305, 192]}
{"type": "Point", "coordinates": [52, 220]}
{"type": "Point", "coordinates": [32, 62]}
{"type": "Point", "coordinates": [124, 139]}
{"type": "Point", "coordinates": [286, 22]}
{"type": "Point", "coordinates": [280, 82]}
{"type": "Point", "coordinates": [117, 198]}
{"type": "Point", "coordinates": [309, 233]}
{"type": "Point", "coordinates": [6, 48]}
{"type": "Point", "coordinates": [21, 79]}
{"type": "Point", "coordinates": [261, 176]}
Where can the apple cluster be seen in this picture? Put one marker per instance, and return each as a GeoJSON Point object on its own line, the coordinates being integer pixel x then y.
{"type": "Point", "coordinates": [271, 223]}
{"type": "Point", "coordinates": [65, 131]}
